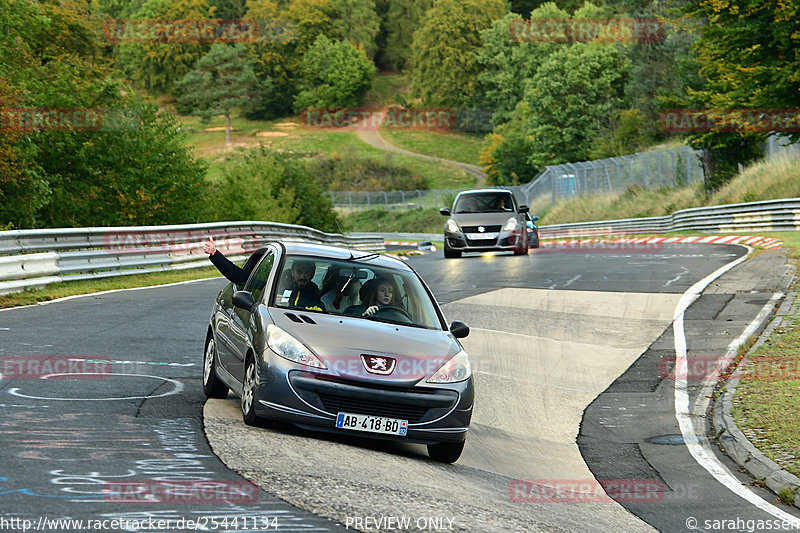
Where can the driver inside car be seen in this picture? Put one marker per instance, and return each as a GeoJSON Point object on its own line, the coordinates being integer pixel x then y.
{"type": "Point", "coordinates": [375, 294]}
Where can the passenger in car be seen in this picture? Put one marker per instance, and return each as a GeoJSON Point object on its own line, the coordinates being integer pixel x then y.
{"type": "Point", "coordinates": [300, 293]}
{"type": "Point", "coordinates": [339, 292]}
{"type": "Point", "coordinates": [233, 273]}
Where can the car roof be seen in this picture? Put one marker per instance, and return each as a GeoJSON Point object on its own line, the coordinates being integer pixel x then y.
{"type": "Point", "coordinates": [492, 190]}
{"type": "Point", "coordinates": [325, 251]}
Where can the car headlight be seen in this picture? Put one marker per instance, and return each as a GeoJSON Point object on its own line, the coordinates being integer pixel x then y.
{"type": "Point", "coordinates": [290, 348]}
{"type": "Point", "coordinates": [452, 227]}
{"type": "Point", "coordinates": [511, 224]}
{"type": "Point", "coordinates": [457, 368]}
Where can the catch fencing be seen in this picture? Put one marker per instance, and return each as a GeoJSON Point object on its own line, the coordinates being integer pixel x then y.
{"type": "Point", "coordinates": [672, 167]}
{"type": "Point", "coordinates": [36, 258]}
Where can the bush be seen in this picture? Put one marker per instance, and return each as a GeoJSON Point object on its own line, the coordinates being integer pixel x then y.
{"type": "Point", "coordinates": [263, 185]}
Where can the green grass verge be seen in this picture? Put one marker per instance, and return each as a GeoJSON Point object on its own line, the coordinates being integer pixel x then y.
{"type": "Point", "coordinates": [456, 146]}
{"type": "Point", "coordinates": [768, 395]}
{"type": "Point", "coordinates": [72, 288]}
{"type": "Point", "coordinates": [426, 220]}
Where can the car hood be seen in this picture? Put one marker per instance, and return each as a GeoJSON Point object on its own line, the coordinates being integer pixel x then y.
{"type": "Point", "coordinates": [341, 341]}
{"type": "Point", "coordinates": [483, 219]}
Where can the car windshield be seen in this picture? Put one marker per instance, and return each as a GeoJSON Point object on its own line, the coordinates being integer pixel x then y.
{"type": "Point", "coordinates": [484, 203]}
{"type": "Point", "coordinates": [350, 288]}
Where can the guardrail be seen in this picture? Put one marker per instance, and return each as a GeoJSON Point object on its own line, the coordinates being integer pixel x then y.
{"type": "Point", "coordinates": [770, 215]}
{"type": "Point", "coordinates": [36, 258]}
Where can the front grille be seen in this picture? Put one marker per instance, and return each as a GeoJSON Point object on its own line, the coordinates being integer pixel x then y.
{"type": "Point", "coordinates": [474, 229]}
{"type": "Point", "coordinates": [340, 404]}
{"type": "Point", "coordinates": [483, 243]}
{"type": "Point", "coordinates": [417, 405]}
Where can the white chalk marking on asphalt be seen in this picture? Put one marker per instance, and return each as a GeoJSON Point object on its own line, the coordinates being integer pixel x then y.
{"type": "Point", "coordinates": [683, 413]}
{"type": "Point", "coordinates": [177, 387]}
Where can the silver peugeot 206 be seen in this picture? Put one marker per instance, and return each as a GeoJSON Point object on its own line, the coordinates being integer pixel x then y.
{"type": "Point", "coordinates": [341, 341]}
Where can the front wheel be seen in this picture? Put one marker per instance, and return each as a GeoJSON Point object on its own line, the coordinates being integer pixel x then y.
{"type": "Point", "coordinates": [213, 387]}
{"type": "Point", "coordinates": [522, 246]}
{"type": "Point", "coordinates": [249, 386]}
{"type": "Point", "coordinates": [450, 253]}
{"type": "Point", "coordinates": [446, 452]}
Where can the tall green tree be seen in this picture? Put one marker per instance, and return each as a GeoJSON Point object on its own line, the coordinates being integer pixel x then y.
{"type": "Point", "coordinates": [749, 56]}
{"type": "Point", "coordinates": [154, 65]}
{"type": "Point", "coordinates": [220, 82]}
{"type": "Point", "coordinates": [401, 20]}
{"type": "Point", "coordinates": [333, 74]}
{"type": "Point", "coordinates": [443, 67]}
{"type": "Point", "coordinates": [507, 64]}
{"type": "Point", "coordinates": [574, 93]}
{"type": "Point", "coordinates": [356, 21]}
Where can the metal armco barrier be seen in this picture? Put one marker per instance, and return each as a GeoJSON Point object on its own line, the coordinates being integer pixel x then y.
{"type": "Point", "coordinates": [36, 258]}
{"type": "Point", "coordinates": [770, 215]}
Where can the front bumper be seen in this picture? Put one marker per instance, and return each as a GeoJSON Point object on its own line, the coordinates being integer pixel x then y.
{"type": "Point", "coordinates": [505, 241]}
{"type": "Point", "coordinates": [311, 400]}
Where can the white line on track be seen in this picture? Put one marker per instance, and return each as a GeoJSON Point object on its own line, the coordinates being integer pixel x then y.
{"type": "Point", "coordinates": [74, 296]}
{"type": "Point", "coordinates": [701, 450]}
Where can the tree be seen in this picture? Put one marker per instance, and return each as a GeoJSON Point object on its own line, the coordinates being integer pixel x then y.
{"type": "Point", "coordinates": [154, 65]}
{"type": "Point", "coordinates": [356, 21]}
{"type": "Point", "coordinates": [574, 93]}
{"type": "Point", "coordinates": [333, 74]}
{"type": "Point", "coordinates": [749, 56]}
{"type": "Point", "coordinates": [507, 150]}
{"type": "Point", "coordinates": [263, 185]}
{"type": "Point", "coordinates": [220, 81]}
{"type": "Point", "coordinates": [402, 18]}
{"type": "Point", "coordinates": [442, 66]}
{"type": "Point", "coordinates": [507, 65]}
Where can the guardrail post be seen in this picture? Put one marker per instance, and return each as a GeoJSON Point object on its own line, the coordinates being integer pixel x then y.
{"type": "Point", "coordinates": [385, 200]}
{"type": "Point", "coordinates": [350, 198]}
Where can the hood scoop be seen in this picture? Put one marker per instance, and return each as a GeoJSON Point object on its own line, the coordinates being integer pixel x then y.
{"type": "Point", "coordinates": [300, 318]}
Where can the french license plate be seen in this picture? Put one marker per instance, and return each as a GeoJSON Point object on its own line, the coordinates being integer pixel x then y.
{"type": "Point", "coordinates": [372, 424]}
{"type": "Point", "coordinates": [481, 236]}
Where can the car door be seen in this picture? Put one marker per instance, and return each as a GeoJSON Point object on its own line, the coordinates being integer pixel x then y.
{"type": "Point", "coordinates": [242, 323]}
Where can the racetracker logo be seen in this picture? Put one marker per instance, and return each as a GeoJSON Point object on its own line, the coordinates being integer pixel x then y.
{"type": "Point", "coordinates": [600, 247]}
{"type": "Point", "coordinates": [181, 31]}
{"type": "Point", "coordinates": [728, 120]}
{"type": "Point", "coordinates": [586, 491]}
{"type": "Point", "coordinates": [712, 368]}
{"type": "Point", "coordinates": [586, 30]}
{"type": "Point", "coordinates": [180, 242]}
{"type": "Point", "coordinates": [54, 366]}
{"type": "Point", "coordinates": [50, 119]}
{"type": "Point", "coordinates": [181, 492]}
{"type": "Point", "coordinates": [372, 119]}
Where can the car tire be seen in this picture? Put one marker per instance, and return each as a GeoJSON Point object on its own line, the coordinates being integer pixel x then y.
{"type": "Point", "coordinates": [535, 240]}
{"type": "Point", "coordinates": [522, 247]}
{"type": "Point", "coordinates": [446, 452]}
{"type": "Point", "coordinates": [449, 253]}
{"type": "Point", "coordinates": [249, 386]}
{"type": "Point", "coordinates": [213, 387]}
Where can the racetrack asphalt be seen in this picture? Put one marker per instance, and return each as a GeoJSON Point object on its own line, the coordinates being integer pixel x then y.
{"type": "Point", "coordinates": [65, 440]}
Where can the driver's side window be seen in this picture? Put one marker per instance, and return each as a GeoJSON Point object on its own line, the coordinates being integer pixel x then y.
{"type": "Point", "coordinates": [258, 280]}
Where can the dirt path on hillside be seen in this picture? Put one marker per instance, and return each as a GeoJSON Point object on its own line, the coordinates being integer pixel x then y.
{"type": "Point", "coordinates": [373, 138]}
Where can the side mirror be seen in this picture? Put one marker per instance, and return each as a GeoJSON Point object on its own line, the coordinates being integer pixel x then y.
{"type": "Point", "coordinates": [534, 218]}
{"type": "Point", "coordinates": [459, 329]}
{"type": "Point", "coordinates": [243, 300]}
{"type": "Point", "coordinates": [444, 211]}
{"type": "Point", "coordinates": [523, 209]}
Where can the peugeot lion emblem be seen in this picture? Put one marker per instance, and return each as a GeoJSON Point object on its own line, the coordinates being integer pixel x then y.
{"type": "Point", "coordinates": [378, 364]}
